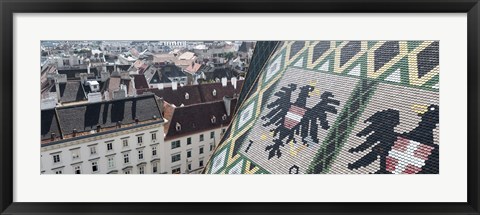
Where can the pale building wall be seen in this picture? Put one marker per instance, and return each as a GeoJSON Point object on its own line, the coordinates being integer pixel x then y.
{"type": "Point", "coordinates": [195, 149]}
{"type": "Point", "coordinates": [67, 163]}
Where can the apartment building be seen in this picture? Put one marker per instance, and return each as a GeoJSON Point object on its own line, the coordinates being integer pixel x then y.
{"type": "Point", "coordinates": [110, 137]}
{"type": "Point", "coordinates": [193, 132]}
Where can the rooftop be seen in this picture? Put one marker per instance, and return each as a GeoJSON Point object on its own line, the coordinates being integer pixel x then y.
{"type": "Point", "coordinates": [84, 118]}
{"type": "Point", "coordinates": [196, 93]}
{"type": "Point", "coordinates": [71, 91]}
{"type": "Point", "coordinates": [329, 107]}
{"type": "Point", "coordinates": [197, 118]}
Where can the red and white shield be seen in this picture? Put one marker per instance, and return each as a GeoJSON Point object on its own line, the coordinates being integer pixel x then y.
{"type": "Point", "coordinates": [294, 116]}
{"type": "Point", "coordinates": [407, 156]}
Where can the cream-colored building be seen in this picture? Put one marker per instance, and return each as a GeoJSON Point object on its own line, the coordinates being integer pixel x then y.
{"type": "Point", "coordinates": [118, 136]}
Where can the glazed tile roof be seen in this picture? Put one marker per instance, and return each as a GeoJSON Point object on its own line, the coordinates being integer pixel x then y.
{"type": "Point", "coordinates": [338, 107]}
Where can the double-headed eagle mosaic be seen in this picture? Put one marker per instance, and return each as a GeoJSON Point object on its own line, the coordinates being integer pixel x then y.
{"type": "Point", "coordinates": [296, 118]}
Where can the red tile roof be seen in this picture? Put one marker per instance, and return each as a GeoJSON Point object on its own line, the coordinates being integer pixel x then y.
{"type": "Point", "coordinates": [193, 68]}
{"type": "Point", "coordinates": [197, 118]}
{"type": "Point", "coordinates": [140, 82]}
{"type": "Point", "coordinates": [196, 93]}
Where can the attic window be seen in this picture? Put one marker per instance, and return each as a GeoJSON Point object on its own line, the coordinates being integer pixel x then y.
{"type": "Point", "coordinates": [214, 92]}
{"type": "Point", "coordinates": [178, 127]}
{"type": "Point", "coordinates": [224, 117]}
{"type": "Point", "coordinates": [213, 119]}
{"type": "Point", "coordinates": [187, 96]}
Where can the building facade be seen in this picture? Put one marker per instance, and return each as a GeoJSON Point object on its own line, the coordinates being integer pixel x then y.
{"type": "Point", "coordinates": [133, 150]}
{"type": "Point", "coordinates": [109, 137]}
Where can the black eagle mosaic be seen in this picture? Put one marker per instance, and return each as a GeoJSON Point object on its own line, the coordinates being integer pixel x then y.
{"type": "Point", "coordinates": [338, 107]}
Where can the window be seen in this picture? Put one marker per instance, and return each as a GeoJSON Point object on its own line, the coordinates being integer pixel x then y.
{"type": "Point", "coordinates": [125, 158]}
{"type": "Point", "coordinates": [140, 140]}
{"type": "Point", "coordinates": [212, 135]}
{"type": "Point", "coordinates": [58, 172]}
{"type": "Point", "coordinates": [200, 164]}
{"type": "Point", "coordinates": [213, 119]}
{"type": "Point", "coordinates": [77, 170]}
{"type": "Point", "coordinates": [176, 170]}
{"type": "Point", "coordinates": [155, 167]}
{"type": "Point", "coordinates": [189, 141]}
{"type": "Point", "coordinates": [94, 166]}
{"type": "Point", "coordinates": [154, 136]}
{"type": "Point", "coordinates": [111, 162]}
{"type": "Point", "coordinates": [211, 146]}
{"type": "Point", "coordinates": [175, 157]}
{"type": "Point", "coordinates": [201, 150]}
{"type": "Point", "coordinates": [56, 158]}
{"type": "Point", "coordinates": [109, 146]}
{"type": "Point", "coordinates": [75, 153]}
{"type": "Point", "coordinates": [189, 166]}
{"type": "Point", "coordinates": [178, 127]}
{"type": "Point", "coordinates": [127, 171]}
{"type": "Point", "coordinates": [141, 169]}
{"type": "Point", "coordinates": [175, 144]}
{"type": "Point", "coordinates": [223, 130]}
{"type": "Point", "coordinates": [125, 142]}
{"type": "Point", "coordinates": [189, 154]}
{"type": "Point", "coordinates": [140, 155]}
{"type": "Point", "coordinates": [93, 150]}
{"type": "Point", "coordinates": [201, 137]}
{"type": "Point", "coordinates": [154, 151]}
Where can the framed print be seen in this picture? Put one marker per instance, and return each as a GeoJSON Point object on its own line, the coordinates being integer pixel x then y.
{"type": "Point", "coordinates": [239, 107]}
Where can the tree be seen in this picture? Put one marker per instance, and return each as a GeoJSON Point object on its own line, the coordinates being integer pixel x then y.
{"type": "Point", "coordinates": [229, 55]}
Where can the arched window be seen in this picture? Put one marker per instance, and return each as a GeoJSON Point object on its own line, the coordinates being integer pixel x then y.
{"type": "Point", "coordinates": [178, 126]}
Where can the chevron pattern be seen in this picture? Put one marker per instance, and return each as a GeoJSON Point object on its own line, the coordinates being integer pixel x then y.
{"type": "Point", "coordinates": [392, 79]}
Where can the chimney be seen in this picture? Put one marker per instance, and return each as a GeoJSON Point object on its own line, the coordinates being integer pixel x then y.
{"type": "Point", "coordinates": [88, 68]}
{"type": "Point", "coordinates": [57, 90]}
{"type": "Point", "coordinates": [224, 82]}
{"type": "Point", "coordinates": [234, 82]}
{"type": "Point", "coordinates": [52, 136]}
{"type": "Point", "coordinates": [160, 105]}
{"type": "Point", "coordinates": [74, 132]}
{"type": "Point", "coordinates": [174, 85]}
{"type": "Point", "coordinates": [227, 101]}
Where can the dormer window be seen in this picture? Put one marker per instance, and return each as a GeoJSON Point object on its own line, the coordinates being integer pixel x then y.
{"type": "Point", "coordinates": [214, 92]}
{"type": "Point", "coordinates": [213, 119]}
{"type": "Point", "coordinates": [178, 127]}
{"type": "Point", "coordinates": [187, 96]}
{"type": "Point", "coordinates": [224, 117]}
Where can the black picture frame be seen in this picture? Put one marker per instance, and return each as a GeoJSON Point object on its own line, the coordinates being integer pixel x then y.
{"type": "Point", "coordinates": [9, 7]}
